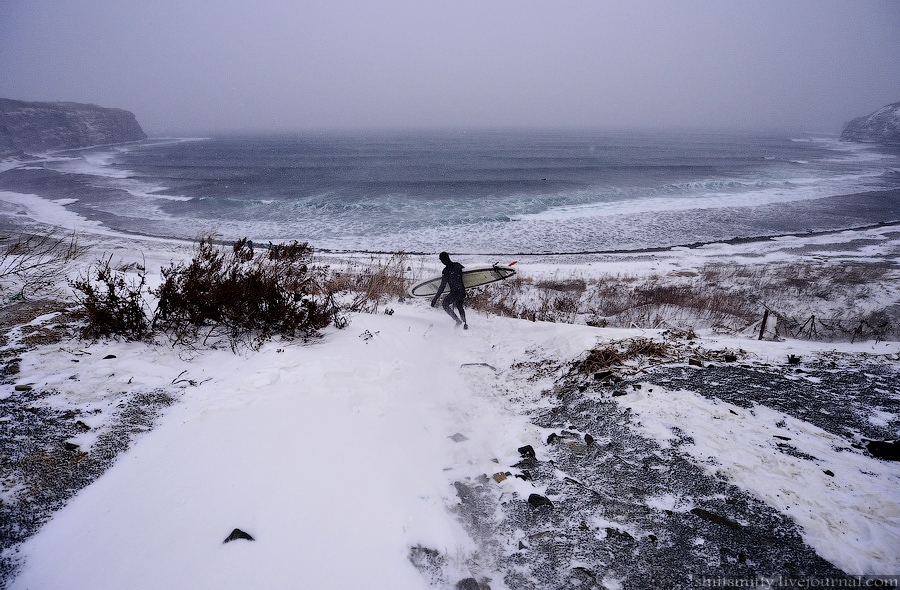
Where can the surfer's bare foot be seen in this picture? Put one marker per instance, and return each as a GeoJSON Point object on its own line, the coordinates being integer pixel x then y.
{"type": "Point", "coordinates": [465, 326]}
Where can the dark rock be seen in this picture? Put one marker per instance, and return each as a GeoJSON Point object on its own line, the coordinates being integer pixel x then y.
{"type": "Point", "coordinates": [695, 362]}
{"type": "Point", "coordinates": [238, 534]}
{"type": "Point", "coordinates": [730, 358]}
{"type": "Point", "coordinates": [882, 126]}
{"type": "Point", "coordinates": [619, 393]}
{"type": "Point", "coordinates": [552, 437]}
{"type": "Point", "coordinates": [529, 463]}
{"type": "Point", "coordinates": [618, 534]}
{"type": "Point", "coordinates": [468, 584]}
{"type": "Point", "coordinates": [793, 359]}
{"type": "Point", "coordinates": [109, 356]}
{"type": "Point", "coordinates": [588, 439]}
{"type": "Point", "coordinates": [527, 452]}
{"type": "Point", "coordinates": [44, 126]}
{"type": "Point", "coordinates": [458, 437]}
{"type": "Point", "coordinates": [883, 449]}
{"type": "Point", "coordinates": [715, 518]}
{"type": "Point", "coordinates": [602, 375]}
{"type": "Point", "coordinates": [537, 500]}
{"type": "Point", "coordinates": [829, 472]}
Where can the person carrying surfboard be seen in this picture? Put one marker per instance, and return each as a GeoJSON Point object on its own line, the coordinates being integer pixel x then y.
{"type": "Point", "coordinates": [452, 276]}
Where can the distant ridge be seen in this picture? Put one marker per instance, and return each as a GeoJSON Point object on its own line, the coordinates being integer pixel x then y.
{"type": "Point", "coordinates": [882, 126]}
{"type": "Point", "coordinates": [46, 126]}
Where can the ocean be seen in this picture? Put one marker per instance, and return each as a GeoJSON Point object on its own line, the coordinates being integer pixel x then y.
{"type": "Point", "coordinates": [474, 192]}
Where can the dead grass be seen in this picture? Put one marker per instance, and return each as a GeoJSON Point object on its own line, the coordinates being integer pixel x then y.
{"type": "Point", "coordinates": [366, 285]}
{"type": "Point", "coordinates": [815, 301]}
{"type": "Point", "coordinates": [616, 354]}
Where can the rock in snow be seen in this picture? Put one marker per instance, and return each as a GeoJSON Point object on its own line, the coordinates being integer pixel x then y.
{"type": "Point", "coordinates": [882, 126]}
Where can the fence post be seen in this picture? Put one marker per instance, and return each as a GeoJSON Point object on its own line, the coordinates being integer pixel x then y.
{"type": "Point", "coordinates": [762, 327]}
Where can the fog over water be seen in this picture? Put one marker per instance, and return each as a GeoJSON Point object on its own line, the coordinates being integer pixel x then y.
{"type": "Point", "coordinates": [205, 67]}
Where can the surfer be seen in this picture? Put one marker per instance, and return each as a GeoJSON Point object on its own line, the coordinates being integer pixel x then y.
{"type": "Point", "coordinates": [452, 276]}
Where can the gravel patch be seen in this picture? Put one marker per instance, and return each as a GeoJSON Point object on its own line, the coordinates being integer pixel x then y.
{"type": "Point", "coordinates": [621, 511]}
{"type": "Point", "coordinates": [40, 468]}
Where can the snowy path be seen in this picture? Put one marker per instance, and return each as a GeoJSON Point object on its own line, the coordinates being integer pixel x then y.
{"type": "Point", "coordinates": [335, 456]}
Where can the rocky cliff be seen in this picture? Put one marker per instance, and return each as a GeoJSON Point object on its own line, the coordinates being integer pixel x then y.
{"type": "Point", "coordinates": [45, 126]}
{"type": "Point", "coordinates": [882, 126]}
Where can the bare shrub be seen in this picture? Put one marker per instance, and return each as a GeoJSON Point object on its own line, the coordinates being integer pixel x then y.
{"type": "Point", "coordinates": [35, 263]}
{"type": "Point", "coordinates": [242, 297]}
{"type": "Point", "coordinates": [112, 304]}
{"type": "Point", "coordinates": [617, 353]}
{"type": "Point", "coordinates": [364, 288]}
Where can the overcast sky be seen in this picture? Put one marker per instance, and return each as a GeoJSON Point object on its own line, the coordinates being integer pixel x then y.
{"type": "Point", "coordinates": [197, 66]}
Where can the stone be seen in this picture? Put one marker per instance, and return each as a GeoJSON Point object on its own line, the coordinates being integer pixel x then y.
{"type": "Point", "coordinates": [888, 450]}
{"type": "Point", "coordinates": [527, 452]}
{"type": "Point", "coordinates": [238, 534]}
{"type": "Point", "coordinates": [715, 518]}
{"type": "Point", "coordinates": [537, 501]}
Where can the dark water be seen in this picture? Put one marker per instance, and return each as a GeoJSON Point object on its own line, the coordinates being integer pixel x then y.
{"type": "Point", "coordinates": [475, 192]}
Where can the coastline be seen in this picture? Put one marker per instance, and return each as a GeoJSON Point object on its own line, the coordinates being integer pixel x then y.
{"type": "Point", "coordinates": [43, 212]}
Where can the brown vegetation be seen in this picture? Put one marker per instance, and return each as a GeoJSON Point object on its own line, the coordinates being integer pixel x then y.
{"type": "Point", "coordinates": [826, 301]}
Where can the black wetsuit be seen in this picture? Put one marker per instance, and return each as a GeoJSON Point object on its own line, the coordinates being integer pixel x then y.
{"type": "Point", "coordinates": [452, 276]}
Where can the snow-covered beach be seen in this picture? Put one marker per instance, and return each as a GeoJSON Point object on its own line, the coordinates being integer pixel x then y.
{"type": "Point", "coordinates": [401, 453]}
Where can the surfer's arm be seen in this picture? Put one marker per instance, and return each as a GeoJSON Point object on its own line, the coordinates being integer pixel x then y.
{"type": "Point", "coordinates": [439, 291]}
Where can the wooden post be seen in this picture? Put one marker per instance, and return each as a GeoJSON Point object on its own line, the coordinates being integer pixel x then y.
{"type": "Point", "coordinates": [762, 327]}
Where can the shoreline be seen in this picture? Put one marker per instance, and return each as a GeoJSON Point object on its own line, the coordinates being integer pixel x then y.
{"type": "Point", "coordinates": [649, 250]}
{"type": "Point", "coordinates": [42, 210]}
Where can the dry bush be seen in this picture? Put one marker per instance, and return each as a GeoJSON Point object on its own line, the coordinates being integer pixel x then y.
{"type": "Point", "coordinates": [35, 263]}
{"type": "Point", "coordinates": [614, 354]}
{"type": "Point", "coordinates": [243, 298]}
{"type": "Point", "coordinates": [112, 305]}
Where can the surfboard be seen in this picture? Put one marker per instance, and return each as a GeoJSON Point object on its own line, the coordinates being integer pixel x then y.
{"type": "Point", "coordinates": [473, 276]}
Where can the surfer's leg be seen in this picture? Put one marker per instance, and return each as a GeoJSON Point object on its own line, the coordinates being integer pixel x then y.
{"type": "Point", "coordinates": [462, 313]}
{"type": "Point", "coordinates": [449, 300]}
